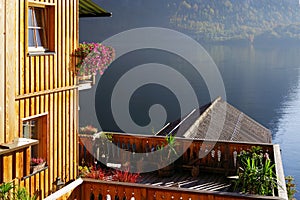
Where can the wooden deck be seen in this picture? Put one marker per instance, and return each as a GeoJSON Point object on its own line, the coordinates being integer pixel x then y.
{"type": "Point", "coordinates": [205, 181]}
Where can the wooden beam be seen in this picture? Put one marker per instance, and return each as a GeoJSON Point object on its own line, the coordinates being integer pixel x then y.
{"type": "Point", "coordinates": [282, 192]}
{"type": "Point", "coordinates": [65, 189]}
{"type": "Point", "coordinates": [2, 69]}
{"type": "Point", "coordinates": [44, 92]}
{"type": "Point", "coordinates": [11, 64]}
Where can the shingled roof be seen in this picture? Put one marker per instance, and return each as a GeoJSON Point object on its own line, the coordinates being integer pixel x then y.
{"type": "Point", "coordinates": [219, 121]}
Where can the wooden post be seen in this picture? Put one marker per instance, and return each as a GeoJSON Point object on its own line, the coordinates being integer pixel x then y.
{"type": "Point", "coordinates": [2, 69]}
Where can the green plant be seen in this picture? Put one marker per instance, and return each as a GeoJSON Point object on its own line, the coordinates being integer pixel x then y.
{"type": "Point", "coordinates": [93, 57]}
{"type": "Point", "coordinates": [169, 147]}
{"type": "Point", "coordinates": [22, 194]}
{"type": "Point", "coordinates": [255, 175]}
{"type": "Point", "coordinates": [83, 171]}
{"type": "Point", "coordinates": [104, 135]}
{"type": "Point", "coordinates": [290, 187]}
{"type": "Point", "coordinates": [4, 190]}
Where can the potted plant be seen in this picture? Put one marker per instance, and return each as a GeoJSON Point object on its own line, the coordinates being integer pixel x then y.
{"type": "Point", "coordinates": [18, 193]}
{"type": "Point", "coordinates": [4, 190]}
{"type": "Point", "coordinates": [255, 174]}
{"type": "Point", "coordinates": [37, 164]}
{"type": "Point", "coordinates": [290, 187]}
{"type": "Point", "coordinates": [168, 156]}
{"type": "Point", "coordinates": [125, 176]}
{"type": "Point", "coordinates": [92, 58]}
{"type": "Point", "coordinates": [22, 193]}
{"type": "Point", "coordinates": [88, 130]}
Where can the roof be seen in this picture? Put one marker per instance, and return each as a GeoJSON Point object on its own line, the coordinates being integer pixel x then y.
{"type": "Point", "coordinates": [237, 125]}
{"type": "Point", "coordinates": [88, 8]}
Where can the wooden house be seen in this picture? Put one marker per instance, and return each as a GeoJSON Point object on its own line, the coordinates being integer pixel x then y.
{"type": "Point", "coordinates": [38, 91]}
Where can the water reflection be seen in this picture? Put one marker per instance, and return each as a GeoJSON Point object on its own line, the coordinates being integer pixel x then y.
{"type": "Point", "coordinates": [258, 78]}
{"type": "Point", "coordinates": [264, 82]}
{"type": "Point", "coordinates": [287, 132]}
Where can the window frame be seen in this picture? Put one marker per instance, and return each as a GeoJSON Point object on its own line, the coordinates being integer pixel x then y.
{"type": "Point", "coordinates": [39, 30]}
{"type": "Point", "coordinates": [43, 146]}
{"type": "Point", "coordinates": [48, 20]}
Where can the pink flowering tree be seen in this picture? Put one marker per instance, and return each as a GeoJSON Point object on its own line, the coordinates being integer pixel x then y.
{"type": "Point", "coordinates": [93, 58]}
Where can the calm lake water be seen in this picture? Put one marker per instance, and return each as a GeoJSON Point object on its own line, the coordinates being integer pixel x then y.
{"type": "Point", "coordinates": [263, 81]}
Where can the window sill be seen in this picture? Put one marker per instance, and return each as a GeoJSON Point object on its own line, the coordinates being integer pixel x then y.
{"type": "Point", "coordinates": [17, 144]}
{"type": "Point", "coordinates": [43, 169]}
{"type": "Point", "coordinates": [41, 53]}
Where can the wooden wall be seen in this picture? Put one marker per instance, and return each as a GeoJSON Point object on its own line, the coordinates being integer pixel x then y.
{"type": "Point", "coordinates": [9, 53]}
{"type": "Point", "coordinates": [2, 71]}
{"type": "Point", "coordinates": [33, 85]}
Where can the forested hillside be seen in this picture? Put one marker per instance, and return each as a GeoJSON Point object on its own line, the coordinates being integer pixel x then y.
{"type": "Point", "coordinates": [222, 20]}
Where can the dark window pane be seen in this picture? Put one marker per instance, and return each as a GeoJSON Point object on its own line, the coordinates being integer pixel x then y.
{"type": "Point", "coordinates": [39, 17]}
{"type": "Point", "coordinates": [31, 42]}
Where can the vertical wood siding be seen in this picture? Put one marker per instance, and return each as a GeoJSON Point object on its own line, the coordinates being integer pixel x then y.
{"type": "Point", "coordinates": [39, 84]}
{"type": "Point", "coordinates": [2, 70]}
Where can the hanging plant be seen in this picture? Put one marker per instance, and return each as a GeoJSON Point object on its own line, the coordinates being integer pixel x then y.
{"type": "Point", "coordinates": [93, 58]}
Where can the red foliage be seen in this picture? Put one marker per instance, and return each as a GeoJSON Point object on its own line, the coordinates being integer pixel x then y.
{"type": "Point", "coordinates": [125, 176]}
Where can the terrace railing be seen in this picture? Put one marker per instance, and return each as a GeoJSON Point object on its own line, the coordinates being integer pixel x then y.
{"type": "Point", "coordinates": [208, 156]}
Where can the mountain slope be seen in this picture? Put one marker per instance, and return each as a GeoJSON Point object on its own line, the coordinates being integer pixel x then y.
{"type": "Point", "coordinates": [221, 20]}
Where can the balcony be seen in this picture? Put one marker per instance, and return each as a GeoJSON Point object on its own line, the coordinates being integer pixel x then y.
{"type": "Point", "coordinates": [205, 169]}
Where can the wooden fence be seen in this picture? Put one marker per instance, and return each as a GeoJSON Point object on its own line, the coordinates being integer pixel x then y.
{"type": "Point", "coordinates": [214, 156]}
{"type": "Point", "coordinates": [93, 189]}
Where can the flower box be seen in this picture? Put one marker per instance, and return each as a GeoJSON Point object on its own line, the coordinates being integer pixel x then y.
{"type": "Point", "coordinates": [92, 58]}
{"type": "Point", "coordinates": [83, 79]}
{"type": "Point", "coordinates": [37, 167]}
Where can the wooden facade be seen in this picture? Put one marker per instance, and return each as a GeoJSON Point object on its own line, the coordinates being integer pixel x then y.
{"type": "Point", "coordinates": [39, 86]}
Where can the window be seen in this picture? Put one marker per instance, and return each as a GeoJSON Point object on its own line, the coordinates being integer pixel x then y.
{"type": "Point", "coordinates": [37, 28]}
{"type": "Point", "coordinates": [40, 30]}
{"type": "Point", "coordinates": [36, 128]}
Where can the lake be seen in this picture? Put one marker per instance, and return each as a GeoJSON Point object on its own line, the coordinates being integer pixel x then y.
{"type": "Point", "coordinates": [264, 82]}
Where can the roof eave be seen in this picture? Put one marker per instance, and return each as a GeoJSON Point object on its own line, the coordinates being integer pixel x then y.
{"type": "Point", "coordinates": [95, 15]}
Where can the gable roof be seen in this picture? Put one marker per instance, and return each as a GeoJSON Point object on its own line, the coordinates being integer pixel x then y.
{"type": "Point", "coordinates": [88, 8]}
{"type": "Point", "coordinates": [237, 125]}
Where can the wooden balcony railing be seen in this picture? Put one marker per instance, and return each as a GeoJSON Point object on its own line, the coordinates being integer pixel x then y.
{"type": "Point", "coordinates": [215, 156]}
{"type": "Point", "coordinates": [209, 156]}
{"type": "Point", "coordinates": [93, 189]}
